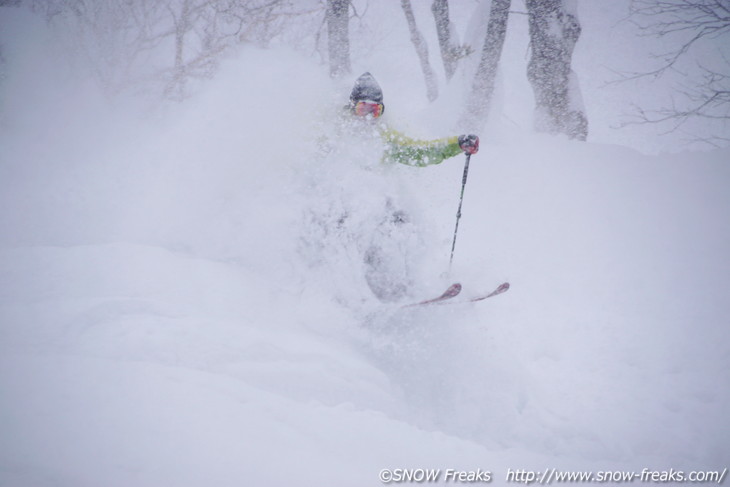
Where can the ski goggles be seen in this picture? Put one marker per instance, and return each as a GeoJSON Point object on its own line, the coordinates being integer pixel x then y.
{"type": "Point", "coordinates": [363, 108]}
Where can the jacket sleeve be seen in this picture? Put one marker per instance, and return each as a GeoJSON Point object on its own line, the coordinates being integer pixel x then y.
{"type": "Point", "coordinates": [419, 153]}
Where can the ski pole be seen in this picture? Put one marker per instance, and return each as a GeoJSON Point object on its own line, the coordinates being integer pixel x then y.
{"type": "Point", "coordinates": [458, 212]}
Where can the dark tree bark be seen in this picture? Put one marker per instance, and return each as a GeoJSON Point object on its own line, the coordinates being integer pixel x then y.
{"type": "Point", "coordinates": [5, 3]}
{"type": "Point", "coordinates": [419, 43]}
{"type": "Point", "coordinates": [479, 102]}
{"type": "Point", "coordinates": [449, 50]}
{"type": "Point", "coordinates": [553, 34]}
{"type": "Point", "coordinates": [338, 36]}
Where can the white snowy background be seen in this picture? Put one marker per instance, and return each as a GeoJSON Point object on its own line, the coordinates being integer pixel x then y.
{"type": "Point", "coordinates": [171, 313]}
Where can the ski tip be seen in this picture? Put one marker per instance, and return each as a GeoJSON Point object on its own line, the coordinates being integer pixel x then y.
{"type": "Point", "coordinates": [500, 289]}
{"type": "Point", "coordinates": [454, 289]}
{"type": "Point", "coordinates": [451, 292]}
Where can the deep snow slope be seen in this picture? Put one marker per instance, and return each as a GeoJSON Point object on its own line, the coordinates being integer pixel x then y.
{"type": "Point", "coordinates": [182, 297]}
{"type": "Point", "coordinates": [125, 363]}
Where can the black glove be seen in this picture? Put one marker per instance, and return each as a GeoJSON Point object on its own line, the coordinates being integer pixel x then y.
{"type": "Point", "coordinates": [469, 143]}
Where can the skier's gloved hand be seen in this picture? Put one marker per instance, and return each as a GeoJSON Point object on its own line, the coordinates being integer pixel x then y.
{"type": "Point", "coordinates": [469, 143]}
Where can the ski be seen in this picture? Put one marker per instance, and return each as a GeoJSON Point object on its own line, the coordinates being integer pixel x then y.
{"type": "Point", "coordinates": [502, 288]}
{"type": "Point", "coordinates": [451, 292]}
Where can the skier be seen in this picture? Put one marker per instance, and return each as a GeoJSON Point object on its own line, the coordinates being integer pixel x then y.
{"type": "Point", "coordinates": [389, 244]}
{"type": "Point", "coordinates": [366, 106]}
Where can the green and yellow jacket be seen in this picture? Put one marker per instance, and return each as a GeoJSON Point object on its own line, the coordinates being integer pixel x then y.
{"type": "Point", "coordinates": [397, 147]}
{"type": "Point", "coordinates": [419, 153]}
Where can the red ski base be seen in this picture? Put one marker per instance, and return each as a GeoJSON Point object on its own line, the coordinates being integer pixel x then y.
{"type": "Point", "coordinates": [454, 291]}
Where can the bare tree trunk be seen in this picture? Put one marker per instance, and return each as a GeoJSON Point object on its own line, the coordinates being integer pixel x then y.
{"type": "Point", "coordinates": [338, 36]}
{"type": "Point", "coordinates": [553, 34]}
{"type": "Point", "coordinates": [479, 102]}
{"type": "Point", "coordinates": [432, 91]}
{"type": "Point", "coordinates": [175, 88]}
{"type": "Point", "coordinates": [449, 50]}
